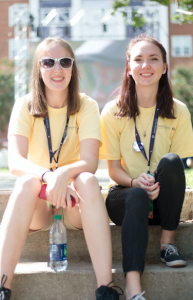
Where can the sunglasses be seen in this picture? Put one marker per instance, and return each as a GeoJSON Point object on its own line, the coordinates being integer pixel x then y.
{"type": "Point", "coordinates": [48, 63]}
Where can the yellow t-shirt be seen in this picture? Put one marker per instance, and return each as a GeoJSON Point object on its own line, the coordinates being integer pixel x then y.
{"type": "Point", "coordinates": [118, 135]}
{"type": "Point", "coordinates": [83, 125]}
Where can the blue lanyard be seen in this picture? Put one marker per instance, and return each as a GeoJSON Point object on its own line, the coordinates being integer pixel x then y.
{"type": "Point", "coordinates": [47, 128]}
{"type": "Point", "coordinates": [152, 139]}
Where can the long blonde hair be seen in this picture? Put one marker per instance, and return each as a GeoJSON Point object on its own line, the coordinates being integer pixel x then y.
{"type": "Point", "coordinates": [37, 102]}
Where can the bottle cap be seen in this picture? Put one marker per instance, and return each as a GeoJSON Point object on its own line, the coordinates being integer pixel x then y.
{"type": "Point", "coordinates": [57, 217]}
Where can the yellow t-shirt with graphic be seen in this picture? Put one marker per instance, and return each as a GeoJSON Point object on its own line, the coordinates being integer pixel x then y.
{"type": "Point", "coordinates": [118, 135]}
{"type": "Point", "coordinates": [83, 125]}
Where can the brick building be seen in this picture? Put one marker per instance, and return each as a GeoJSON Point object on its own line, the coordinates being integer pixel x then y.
{"type": "Point", "coordinates": [6, 32]}
{"type": "Point", "coordinates": [180, 42]}
{"type": "Point", "coordinates": [176, 38]}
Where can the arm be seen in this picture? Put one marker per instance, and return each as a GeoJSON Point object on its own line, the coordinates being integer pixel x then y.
{"type": "Point", "coordinates": [144, 181]}
{"type": "Point", "coordinates": [17, 158]}
{"type": "Point", "coordinates": [57, 180]}
{"type": "Point", "coordinates": [182, 139]}
{"type": "Point", "coordinates": [117, 174]}
{"type": "Point", "coordinates": [89, 153]}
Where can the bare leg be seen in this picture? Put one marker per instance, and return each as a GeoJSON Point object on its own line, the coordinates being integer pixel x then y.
{"type": "Point", "coordinates": [94, 220]}
{"type": "Point", "coordinates": [133, 286]}
{"type": "Point", "coordinates": [24, 208]}
{"type": "Point", "coordinates": [167, 237]}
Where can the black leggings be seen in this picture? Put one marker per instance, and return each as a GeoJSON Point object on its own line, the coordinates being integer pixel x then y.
{"type": "Point", "coordinates": [129, 207]}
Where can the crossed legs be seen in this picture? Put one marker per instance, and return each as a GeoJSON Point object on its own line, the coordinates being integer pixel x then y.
{"type": "Point", "coordinates": [129, 207]}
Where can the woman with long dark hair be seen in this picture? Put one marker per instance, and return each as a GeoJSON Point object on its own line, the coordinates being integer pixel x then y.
{"type": "Point", "coordinates": [145, 132]}
{"type": "Point", "coordinates": [54, 137]}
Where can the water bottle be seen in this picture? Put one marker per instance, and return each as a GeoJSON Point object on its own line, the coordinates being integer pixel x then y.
{"type": "Point", "coordinates": [58, 246]}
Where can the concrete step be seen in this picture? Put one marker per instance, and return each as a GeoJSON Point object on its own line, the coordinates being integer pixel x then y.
{"type": "Point", "coordinates": [36, 281]}
{"type": "Point", "coordinates": [33, 278]}
{"type": "Point", "coordinates": [186, 214]}
{"type": "Point", "coordinates": [36, 248]}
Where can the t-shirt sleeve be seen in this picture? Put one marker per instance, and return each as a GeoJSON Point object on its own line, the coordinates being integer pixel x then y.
{"type": "Point", "coordinates": [182, 141]}
{"type": "Point", "coordinates": [110, 149]}
{"type": "Point", "coordinates": [89, 121]}
{"type": "Point", "coordinates": [21, 120]}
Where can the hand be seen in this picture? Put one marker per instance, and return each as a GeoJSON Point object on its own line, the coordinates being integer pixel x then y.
{"type": "Point", "coordinates": [57, 191]}
{"type": "Point", "coordinates": [147, 182]}
{"type": "Point", "coordinates": [68, 201]}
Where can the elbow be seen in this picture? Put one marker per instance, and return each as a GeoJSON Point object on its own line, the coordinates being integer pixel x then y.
{"type": "Point", "coordinates": [12, 166]}
{"type": "Point", "coordinates": [11, 169]}
{"type": "Point", "coordinates": [111, 174]}
{"type": "Point", "coordinates": [92, 167]}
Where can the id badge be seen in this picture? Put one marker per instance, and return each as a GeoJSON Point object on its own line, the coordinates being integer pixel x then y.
{"type": "Point", "coordinates": [151, 205]}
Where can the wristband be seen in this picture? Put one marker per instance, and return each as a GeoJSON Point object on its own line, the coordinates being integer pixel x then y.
{"type": "Point", "coordinates": [44, 174]}
{"type": "Point", "coordinates": [132, 182]}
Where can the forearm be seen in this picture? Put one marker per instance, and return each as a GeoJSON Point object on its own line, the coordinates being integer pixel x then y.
{"type": "Point", "coordinates": [74, 169]}
{"type": "Point", "coordinates": [19, 166]}
{"type": "Point", "coordinates": [120, 177]}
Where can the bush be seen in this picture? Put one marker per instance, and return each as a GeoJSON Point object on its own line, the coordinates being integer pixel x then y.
{"type": "Point", "coordinates": [183, 86]}
{"type": "Point", "coordinates": [6, 91]}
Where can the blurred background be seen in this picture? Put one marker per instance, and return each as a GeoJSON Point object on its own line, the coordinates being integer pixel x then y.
{"type": "Point", "coordinates": [99, 32]}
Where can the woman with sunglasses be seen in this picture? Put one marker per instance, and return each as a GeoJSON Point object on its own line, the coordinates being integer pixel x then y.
{"type": "Point", "coordinates": [54, 137]}
{"type": "Point", "coordinates": [145, 133]}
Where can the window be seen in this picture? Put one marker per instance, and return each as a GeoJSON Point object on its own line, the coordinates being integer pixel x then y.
{"type": "Point", "coordinates": [181, 45]}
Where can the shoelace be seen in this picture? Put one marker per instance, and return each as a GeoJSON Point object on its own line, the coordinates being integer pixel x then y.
{"type": "Point", "coordinates": [170, 249]}
{"type": "Point", "coordinates": [138, 297]}
{"type": "Point", "coordinates": [3, 281]}
{"type": "Point", "coordinates": [106, 292]}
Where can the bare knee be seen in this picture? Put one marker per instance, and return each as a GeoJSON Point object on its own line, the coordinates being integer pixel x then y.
{"type": "Point", "coordinates": [87, 185]}
{"type": "Point", "coordinates": [28, 186]}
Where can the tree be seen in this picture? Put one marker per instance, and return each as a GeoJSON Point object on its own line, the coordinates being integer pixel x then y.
{"type": "Point", "coordinates": [184, 11]}
{"type": "Point", "coordinates": [183, 86]}
{"type": "Point", "coordinates": [6, 91]}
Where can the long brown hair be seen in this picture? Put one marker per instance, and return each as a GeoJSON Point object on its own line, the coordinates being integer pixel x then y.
{"type": "Point", "coordinates": [38, 103]}
{"type": "Point", "coordinates": [127, 101]}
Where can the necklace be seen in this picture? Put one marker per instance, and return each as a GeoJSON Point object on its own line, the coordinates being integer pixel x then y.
{"type": "Point", "coordinates": [144, 131]}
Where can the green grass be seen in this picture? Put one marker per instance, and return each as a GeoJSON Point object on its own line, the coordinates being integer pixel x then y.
{"type": "Point", "coordinates": [189, 178]}
{"type": "Point", "coordinates": [4, 170]}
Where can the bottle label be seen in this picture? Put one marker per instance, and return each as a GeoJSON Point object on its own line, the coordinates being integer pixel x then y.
{"type": "Point", "coordinates": [58, 252]}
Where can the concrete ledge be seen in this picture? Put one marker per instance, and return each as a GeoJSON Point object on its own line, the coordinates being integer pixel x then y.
{"type": "Point", "coordinates": [186, 214]}
{"type": "Point", "coordinates": [187, 209]}
{"type": "Point", "coordinates": [37, 281]}
{"type": "Point", "coordinates": [4, 197]}
{"type": "Point", "coordinates": [36, 247]}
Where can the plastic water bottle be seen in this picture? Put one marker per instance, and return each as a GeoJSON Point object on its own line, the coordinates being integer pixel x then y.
{"type": "Point", "coordinates": [58, 246]}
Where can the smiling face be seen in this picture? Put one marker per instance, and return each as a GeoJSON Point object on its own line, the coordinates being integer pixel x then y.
{"type": "Point", "coordinates": [146, 64]}
{"type": "Point", "coordinates": [57, 79]}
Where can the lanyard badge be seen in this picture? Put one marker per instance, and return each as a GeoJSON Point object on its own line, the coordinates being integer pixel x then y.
{"type": "Point", "coordinates": [64, 137]}
{"type": "Point", "coordinates": [52, 154]}
{"type": "Point", "coordinates": [138, 147]}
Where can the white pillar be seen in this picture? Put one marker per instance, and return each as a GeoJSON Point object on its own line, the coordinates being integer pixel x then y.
{"type": "Point", "coordinates": [34, 10]}
{"type": "Point", "coordinates": [75, 4]}
{"type": "Point", "coordinates": [76, 30]}
{"type": "Point", "coordinates": [164, 28]}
